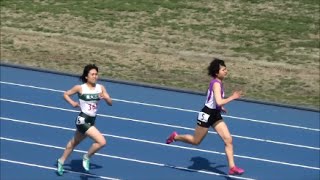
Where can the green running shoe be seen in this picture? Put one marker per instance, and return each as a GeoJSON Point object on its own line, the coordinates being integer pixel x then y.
{"type": "Point", "coordinates": [60, 168]}
{"type": "Point", "coordinates": [86, 162]}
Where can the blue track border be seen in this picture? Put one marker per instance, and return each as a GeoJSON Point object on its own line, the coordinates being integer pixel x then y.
{"type": "Point", "coordinates": [154, 86]}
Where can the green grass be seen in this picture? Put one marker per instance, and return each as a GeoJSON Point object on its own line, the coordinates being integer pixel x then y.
{"type": "Point", "coordinates": [131, 36]}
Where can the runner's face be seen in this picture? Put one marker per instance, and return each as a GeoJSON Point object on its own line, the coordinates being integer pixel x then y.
{"type": "Point", "coordinates": [223, 72]}
{"type": "Point", "coordinates": [92, 76]}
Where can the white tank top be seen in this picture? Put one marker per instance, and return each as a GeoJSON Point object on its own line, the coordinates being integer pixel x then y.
{"type": "Point", "coordinates": [89, 99]}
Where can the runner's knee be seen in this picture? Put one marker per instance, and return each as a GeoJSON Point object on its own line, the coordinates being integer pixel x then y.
{"type": "Point", "coordinates": [72, 144]}
{"type": "Point", "coordinates": [196, 142]}
{"type": "Point", "coordinates": [102, 142]}
{"type": "Point", "coordinates": [228, 140]}
{"type": "Point", "coordinates": [76, 142]}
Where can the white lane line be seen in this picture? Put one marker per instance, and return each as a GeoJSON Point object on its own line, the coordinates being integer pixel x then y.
{"type": "Point", "coordinates": [126, 159]}
{"type": "Point", "coordinates": [173, 108]}
{"type": "Point", "coordinates": [52, 168]}
{"type": "Point", "coordinates": [176, 146]}
{"type": "Point", "coordinates": [162, 124]}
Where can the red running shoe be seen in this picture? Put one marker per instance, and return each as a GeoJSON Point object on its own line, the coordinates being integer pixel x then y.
{"type": "Point", "coordinates": [171, 137]}
{"type": "Point", "coordinates": [236, 171]}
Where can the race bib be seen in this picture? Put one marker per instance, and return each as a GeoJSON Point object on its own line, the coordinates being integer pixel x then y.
{"type": "Point", "coordinates": [80, 120]}
{"type": "Point", "coordinates": [92, 107]}
{"type": "Point", "coordinates": [203, 117]}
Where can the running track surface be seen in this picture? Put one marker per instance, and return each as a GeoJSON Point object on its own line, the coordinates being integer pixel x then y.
{"type": "Point", "coordinates": [270, 142]}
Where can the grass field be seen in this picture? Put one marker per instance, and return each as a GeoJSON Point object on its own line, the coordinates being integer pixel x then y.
{"type": "Point", "coordinates": [271, 48]}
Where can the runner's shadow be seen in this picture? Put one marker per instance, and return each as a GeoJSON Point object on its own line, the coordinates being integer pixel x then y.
{"type": "Point", "coordinates": [200, 163]}
{"type": "Point", "coordinates": [76, 166]}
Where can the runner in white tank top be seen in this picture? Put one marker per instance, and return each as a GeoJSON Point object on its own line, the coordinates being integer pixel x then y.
{"type": "Point", "coordinates": [210, 115]}
{"type": "Point", "coordinates": [89, 99]}
{"type": "Point", "coordinates": [89, 93]}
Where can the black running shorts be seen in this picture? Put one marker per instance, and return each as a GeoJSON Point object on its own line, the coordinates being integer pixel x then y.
{"type": "Point", "coordinates": [84, 122]}
{"type": "Point", "coordinates": [209, 117]}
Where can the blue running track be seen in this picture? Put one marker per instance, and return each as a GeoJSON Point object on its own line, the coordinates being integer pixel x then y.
{"type": "Point", "coordinates": [270, 142]}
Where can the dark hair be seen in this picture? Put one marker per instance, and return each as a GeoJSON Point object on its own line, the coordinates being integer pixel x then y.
{"type": "Point", "coordinates": [214, 67]}
{"type": "Point", "coordinates": [86, 70]}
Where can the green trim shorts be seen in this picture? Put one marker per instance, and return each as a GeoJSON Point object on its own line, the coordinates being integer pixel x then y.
{"type": "Point", "coordinates": [84, 122]}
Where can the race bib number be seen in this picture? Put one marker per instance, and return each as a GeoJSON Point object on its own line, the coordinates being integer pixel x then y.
{"type": "Point", "coordinates": [80, 120]}
{"type": "Point", "coordinates": [92, 107]}
{"type": "Point", "coordinates": [203, 117]}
